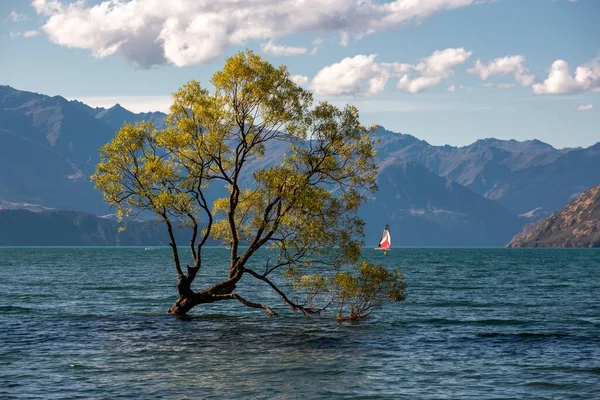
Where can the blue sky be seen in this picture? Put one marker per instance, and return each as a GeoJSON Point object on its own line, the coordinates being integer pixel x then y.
{"type": "Point", "coordinates": [446, 71]}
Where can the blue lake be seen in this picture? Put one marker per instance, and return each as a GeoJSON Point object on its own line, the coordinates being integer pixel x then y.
{"type": "Point", "coordinates": [477, 324]}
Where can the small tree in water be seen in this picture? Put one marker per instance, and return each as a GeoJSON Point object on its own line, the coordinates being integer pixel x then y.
{"type": "Point", "coordinates": [303, 209]}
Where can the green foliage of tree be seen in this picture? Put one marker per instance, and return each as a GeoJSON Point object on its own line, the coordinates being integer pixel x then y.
{"type": "Point", "coordinates": [358, 295]}
{"type": "Point", "coordinates": [303, 209]}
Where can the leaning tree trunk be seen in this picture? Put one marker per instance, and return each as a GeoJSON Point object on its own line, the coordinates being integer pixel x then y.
{"type": "Point", "coordinates": [188, 299]}
{"type": "Point", "coordinates": [182, 306]}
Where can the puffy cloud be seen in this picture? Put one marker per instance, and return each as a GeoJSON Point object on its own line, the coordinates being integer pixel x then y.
{"type": "Point", "coordinates": [586, 107]}
{"type": "Point", "coordinates": [434, 69]}
{"type": "Point", "coordinates": [347, 77]}
{"type": "Point", "coordinates": [186, 32]}
{"type": "Point", "coordinates": [452, 88]}
{"type": "Point", "coordinates": [418, 84]}
{"type": "Point", "coordinates": [560, 81]}
{"type": "Point", "coordinates": [28, 34]}
{"type": "Point", "coordinates": [14, 34]}
{"type": "Point", "coordinates": [299, 80]}
{"type": "Point", "coordinates": [275, 50]}
{"type": "Point", "coordinates": [361, 74]}
{"type": "Point", "coordinates": [509, 65]}
{"type": "Point", "coordinates": [393, 13]}
{"type": "Point", "coordinates": [48, 7]}
{"type": "Point", "coordinates": [16, 17]}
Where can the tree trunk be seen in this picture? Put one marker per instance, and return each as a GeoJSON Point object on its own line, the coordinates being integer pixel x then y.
{"type": "Point", "coordinates": [182, 306]}
{"type": "Point", "coordinates": [188, 299]}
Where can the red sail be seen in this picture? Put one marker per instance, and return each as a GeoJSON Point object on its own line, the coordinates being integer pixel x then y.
{"type": "Point", "coordinates": [385, 240]}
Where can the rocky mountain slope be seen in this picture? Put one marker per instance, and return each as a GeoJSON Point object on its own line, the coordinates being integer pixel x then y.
{"type": "Point", "coordinates": [576, 225]}
{"type": "Point", "coordinates": [49, 149]}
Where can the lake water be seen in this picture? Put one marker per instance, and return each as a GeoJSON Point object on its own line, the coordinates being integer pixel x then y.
{"type": "Point", "coordinates": [477, 324]}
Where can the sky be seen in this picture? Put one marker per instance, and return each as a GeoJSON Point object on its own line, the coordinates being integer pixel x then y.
{"type": "Point", "coordinates": [445, 71]}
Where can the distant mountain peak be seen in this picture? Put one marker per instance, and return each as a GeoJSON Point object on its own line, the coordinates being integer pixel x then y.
{"type": "Point", "coordinates": [384, 135]}
{"type": "Point", "coordinates": [487, 141]}
{"type": "Point", "coordinates": [509, 143]}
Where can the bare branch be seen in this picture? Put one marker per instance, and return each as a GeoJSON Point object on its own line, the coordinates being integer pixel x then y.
{"type": "Point", "coordinates": [193, 239]}
{"type": "Point", "coordinates": [306, 311]}
{"type": "Point", "coordinates": [255, 305]}
{"type": "Point", "coordinates": [173, 244]}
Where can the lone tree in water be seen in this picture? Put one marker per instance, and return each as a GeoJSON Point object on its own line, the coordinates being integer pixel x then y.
{"type": "Point", "coordinates": [303, 209]}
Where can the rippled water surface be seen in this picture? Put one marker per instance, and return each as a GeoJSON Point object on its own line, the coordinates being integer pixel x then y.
{"type": "Point", "coordinates": [478, 323]}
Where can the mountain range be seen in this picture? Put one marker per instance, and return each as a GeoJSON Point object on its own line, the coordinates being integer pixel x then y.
{"type": "Point", "coordinates": [480, 194]}
{"type": "Point", "coordinates": [29, 228]}
{"type": "Point", "coordinates": [522, 176]}
{"type": "Point", "coordinates": [423, 208]}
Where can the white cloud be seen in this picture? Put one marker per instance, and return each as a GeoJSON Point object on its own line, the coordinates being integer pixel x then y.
{"type": "Point", "coordinates": [16, 17]}
{"type": "Point", "coordinates": [434, 69]}
{"type": "Point", "coordinates": [317, 41]}
{"type": "Point", "coordinates": [361, 74]}
{"type": "Point", "coordinates": [488, 84]}
{"type": "Point", "coordinates": [347, 77]}
{"type": "Point", "coordinates": [275, 50]}
{"type": "Point", "coordinates": [506, 85]}
{"type": "Point", "coordinates": [186, 32]}
{"type": "Point", "coordinates": [560, 81]}
{"type": "Point", "coordinates": [28, 34]}
{"type": "Point", "coordinates": [299, 80]}
{"type": "Point", "coordinates": [452, 88]}
{"type": "Point", "coordinates": [509, 65]}
{"type": "Point", "coordinates": [314, 50]}
{"type": "Point", "coordinates": [14, 34]}
{"type": "Point", "coordinates": [418, 84]}
{"type": "Point", "coordinates": [586, 107]}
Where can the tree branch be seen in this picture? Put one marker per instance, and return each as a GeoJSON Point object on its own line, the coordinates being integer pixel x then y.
{"type": "Point", "coordinates": [255, 305]}
{"type": "Point", "coordinates": [305, 310]}
{"type": "Point", "coordinates": [173, 245]}
{"type": "Point", "coordinates": [193, 239]}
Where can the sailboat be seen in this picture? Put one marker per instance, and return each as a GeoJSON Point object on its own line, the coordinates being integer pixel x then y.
{"type": "Point", "coordinates": [386, 240]}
